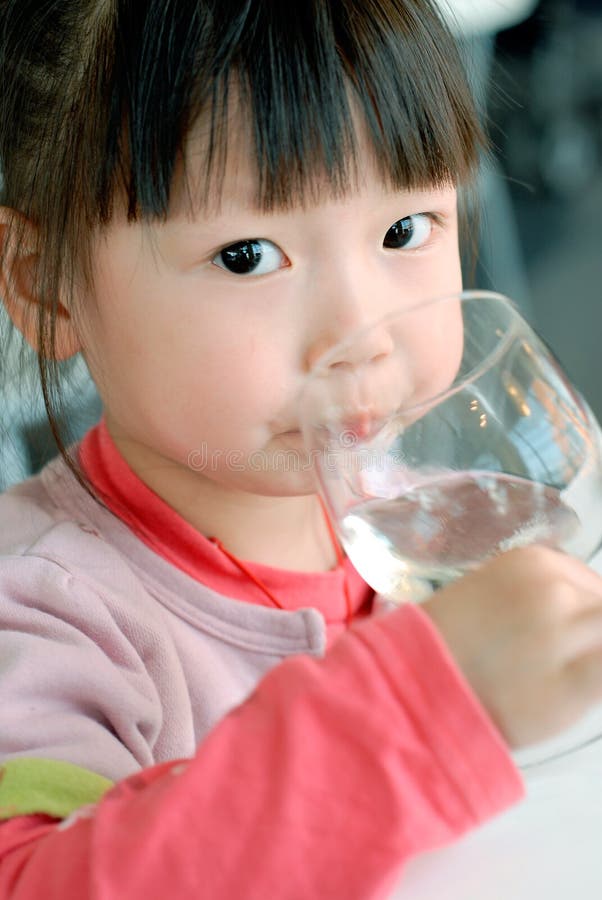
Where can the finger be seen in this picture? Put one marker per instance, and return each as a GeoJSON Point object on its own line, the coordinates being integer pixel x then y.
{"type": "Point", "coordinates": [583, 633]}
{"type": "Point", "coordinates": [585, 676]}
{"type": "Point", "coordinates": [584, 576]}
{"type": "Point", "coordinates": [559, 565]}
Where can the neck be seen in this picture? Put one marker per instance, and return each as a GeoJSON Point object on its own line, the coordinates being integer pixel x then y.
{"type": "Point", "coordinates": [282, 532]}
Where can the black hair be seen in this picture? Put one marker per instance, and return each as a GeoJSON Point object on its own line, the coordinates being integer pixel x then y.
{"type": "Point", "coordinates": [100, 96]}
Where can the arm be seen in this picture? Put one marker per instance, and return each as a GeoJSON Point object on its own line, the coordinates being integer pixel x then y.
{"type": "Point", "coordinates": [323, 783]}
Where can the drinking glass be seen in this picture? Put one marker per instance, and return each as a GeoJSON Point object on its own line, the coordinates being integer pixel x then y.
{"type": "Point", "coordinates": [445, 433]}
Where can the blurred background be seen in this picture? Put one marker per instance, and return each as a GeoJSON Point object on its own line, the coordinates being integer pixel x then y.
{"type": "Point", "coordinates": [536, 66]}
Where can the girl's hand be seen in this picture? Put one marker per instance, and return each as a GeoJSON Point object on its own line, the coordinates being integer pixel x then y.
{"type": "Point", "coordinates": [526, 630]}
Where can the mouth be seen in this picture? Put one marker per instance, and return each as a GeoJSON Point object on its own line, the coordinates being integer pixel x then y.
{"type": "Point", "coordinates": [360, 424]}
{"type": "Point", "coordinates": [291, 432]}
{"type": "Point", "coordinates": [293, 438]}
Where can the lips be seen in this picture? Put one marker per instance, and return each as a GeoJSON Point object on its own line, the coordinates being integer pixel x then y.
{"type": "Point", "coordinates": [360, 425]}
{"type": "Point", "coordinates": [359, 422]}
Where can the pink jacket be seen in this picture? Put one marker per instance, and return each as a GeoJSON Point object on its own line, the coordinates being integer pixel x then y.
{"type": "Point", "coordinates": [247, 761]}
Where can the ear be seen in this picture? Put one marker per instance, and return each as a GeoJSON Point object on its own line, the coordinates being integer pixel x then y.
{"type": "Point", "coordinates": [18, 290]}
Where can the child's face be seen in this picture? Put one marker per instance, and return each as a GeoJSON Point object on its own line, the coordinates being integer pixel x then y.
{"type": "Point", "coordinates": [204, 327]}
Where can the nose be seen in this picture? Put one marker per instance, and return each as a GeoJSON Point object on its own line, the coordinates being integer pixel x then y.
{"type": "Point", "coordinates": [358, 347]}
{"type": "Point", "coordinates": [351, 331]}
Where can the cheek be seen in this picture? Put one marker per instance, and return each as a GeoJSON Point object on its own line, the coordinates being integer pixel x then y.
{"type": "Point", "coordinates": [228, 384]}
{"type": "Point", "coordinates": [440, 275]}
{"type": "Point", "coordinates": [436, 354]}
{"type": "Point", "coordinates": [198, 363]}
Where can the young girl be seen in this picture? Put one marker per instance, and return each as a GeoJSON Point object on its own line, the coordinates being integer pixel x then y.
{"type": "Point", "coordinates": [198, 695]}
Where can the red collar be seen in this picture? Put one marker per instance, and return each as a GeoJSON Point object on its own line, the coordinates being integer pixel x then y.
{"type": "Point", "coordinates": [173, 538]}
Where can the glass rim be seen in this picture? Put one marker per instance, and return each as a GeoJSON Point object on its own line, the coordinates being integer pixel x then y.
{"type": "Point", "coordinates": [321, 368]}
{"type": "Point", "coordinates": [322, 364]}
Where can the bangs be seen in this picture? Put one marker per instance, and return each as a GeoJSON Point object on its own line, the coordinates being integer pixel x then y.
{"type": "Point", "coordinates": [302, 73]}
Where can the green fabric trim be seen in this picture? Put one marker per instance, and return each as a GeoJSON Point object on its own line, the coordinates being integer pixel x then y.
{"type": "Point", "coordinates": [47, 786]}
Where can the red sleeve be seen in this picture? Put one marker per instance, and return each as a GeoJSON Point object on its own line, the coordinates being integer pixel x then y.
{"type": "Point", "coordinates": [322, 784]}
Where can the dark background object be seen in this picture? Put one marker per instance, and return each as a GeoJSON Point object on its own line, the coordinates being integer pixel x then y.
{"type": "Point", "coordinates": [545, 118]}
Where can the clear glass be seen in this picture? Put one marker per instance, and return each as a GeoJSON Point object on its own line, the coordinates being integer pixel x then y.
{"type": "Point", "coordinates": [444, 434]}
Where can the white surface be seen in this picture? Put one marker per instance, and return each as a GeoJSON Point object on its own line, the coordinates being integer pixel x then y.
{"type": "Point", "coordinates": [549, 846]}
{"type": "Point", "coordinates": [469, 17]}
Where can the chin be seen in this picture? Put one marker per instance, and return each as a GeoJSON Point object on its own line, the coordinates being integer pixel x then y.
{"type": "Point", "coordinates": [291, 483]}
{"type": "Point", "coordinates": [282, 469]}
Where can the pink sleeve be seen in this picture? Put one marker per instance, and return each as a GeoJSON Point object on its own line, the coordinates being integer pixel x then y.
{"type": "Point", "coordinates": [322, 784]}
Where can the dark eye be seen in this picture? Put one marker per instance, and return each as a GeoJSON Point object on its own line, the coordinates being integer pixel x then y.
{"type": "Point", "coordinates": [408, 233]}
{"type": "Point", "coordinates": [254, 256]}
